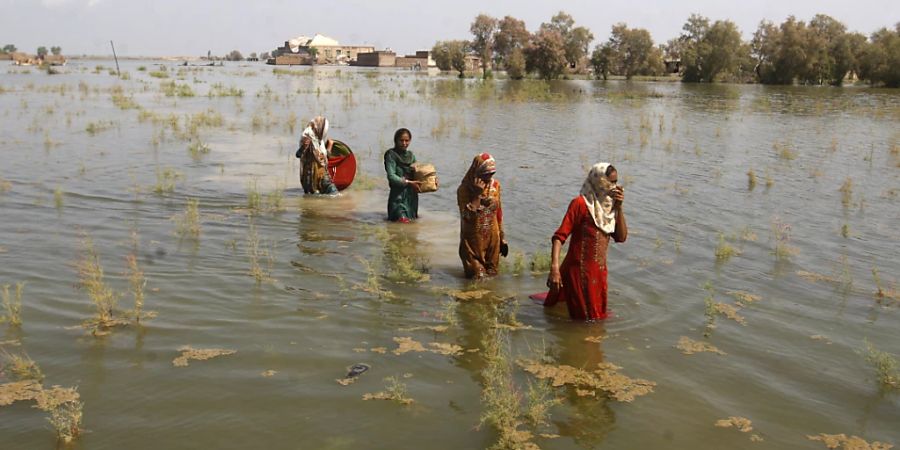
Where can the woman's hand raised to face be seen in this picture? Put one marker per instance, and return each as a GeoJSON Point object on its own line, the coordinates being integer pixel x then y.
{"type": "Point", "coordinates": [618, 196]}
{"type": "Point", "coordinates": [480, 184]}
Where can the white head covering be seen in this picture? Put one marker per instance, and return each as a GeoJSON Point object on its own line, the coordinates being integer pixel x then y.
{"type": "Point", "coordinates": [317, 132]}
{"type": "Point", "coordinates": [595, 191]}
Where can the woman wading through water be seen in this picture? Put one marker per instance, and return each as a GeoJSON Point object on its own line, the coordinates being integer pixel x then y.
{"type": "Point", "coordinates": [403, 200]}
{"type": "Point", "coordinates": [313, 153]}
{"type": "Point", "coordinates": [592, 219]}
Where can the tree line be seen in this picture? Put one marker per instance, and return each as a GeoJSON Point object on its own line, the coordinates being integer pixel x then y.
{"type": "Point", "coordinates": [821, 51]}
{"type": "Point", "coordinates": [41, 51]}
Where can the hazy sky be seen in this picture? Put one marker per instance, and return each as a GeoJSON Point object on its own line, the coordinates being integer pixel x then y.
{"type": "Point", "coordinates": [191, 27]}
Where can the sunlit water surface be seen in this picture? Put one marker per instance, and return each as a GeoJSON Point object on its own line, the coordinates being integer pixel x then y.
{"type": "Point", "coordinates": [795, 368]}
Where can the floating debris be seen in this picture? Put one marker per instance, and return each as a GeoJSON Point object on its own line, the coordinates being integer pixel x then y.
{"type": "Point", "coordinates": [381, 350]}
{"type": "Point", "coordinates": [199, 354]}
{"type": "Point", "coordinates": [303, 267]}
{"type": "Point", "coordinates": [445, 349]}
{"type": "Point", "coordinates": [511, 326]}
{"type": "Point", "coordinates": [689, 346]}
{"type": "Point", "coordinates": [382, 395]}
{"type": "Point", "coordinates": [744, 298]}
{"type": "Point", "coordinates": [756, 438]}
{"type": "Point", "coordinates": [269, 373]}
{"type": "Point", "coordinates": [595, 339]}
{"type": "Point", "coordinates": [730, 312]}
{"type": "Point", "coordinates": [19, 391]}
{"type": "Point", "coordinates": [605, 378]}
{"type": "Point", "coordinates": [851, 443]}
{"type": "Point", "coordinates": [816, 277]}
{"type": "Point", "coordinates": [359, 350]}
{"type": "Point", "coordinates": [435, 328]}
{"type": "Point", "coordinates": [357, 370]}
{"type": "Point", "coordinates": [549, 436]}
{"type": "Point", "coordinates": [743, 424]}
{"type": "Point", "coordinates": [469, 295]}
{"type": "Point", "coordinates": [819, 337]}
{"type": "Point", "coordinates": [345, 381]}
{"type": "Point", "coordinates": [407, 344]}
{"type": "Point", "coordinates": [49, 399]}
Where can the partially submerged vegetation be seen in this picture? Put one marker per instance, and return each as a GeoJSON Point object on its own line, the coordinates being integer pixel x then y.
{"type": "Point", "coordinates": [887, 367]}
{"type": "Point", "coordinates": [12, 304]}
{"type": "Point", "coordinates": [62, 404]}
{"type": "Point", "coordinates": [189, 353]}
{"type": "Point", "coordinates": [103, 298]}
{"type": "Point", "coordinates": [841, 441]}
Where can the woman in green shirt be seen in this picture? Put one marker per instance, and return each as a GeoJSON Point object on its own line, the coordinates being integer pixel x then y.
{"type": "Point", "coordinates": [403, 200]}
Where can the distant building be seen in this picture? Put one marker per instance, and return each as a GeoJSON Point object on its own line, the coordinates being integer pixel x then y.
{"type": "Point", "coordinates": [421, 60]}
{"type": "Point", "coordinates": [673, 65]}
{"type": "Point", "coordinates": [380, 58]}
{"type": "Point", "coordinates": [316, 50]}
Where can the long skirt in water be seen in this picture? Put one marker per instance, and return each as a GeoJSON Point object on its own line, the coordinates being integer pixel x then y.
{"type": "Point", "coordinates": [313, 174]}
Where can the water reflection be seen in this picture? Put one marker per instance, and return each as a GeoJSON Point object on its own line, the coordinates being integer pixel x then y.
{"type": "Point", "coordinates": [589, 420]}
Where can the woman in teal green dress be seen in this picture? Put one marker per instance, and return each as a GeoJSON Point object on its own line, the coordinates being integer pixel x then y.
{"type": "Point", "coordinates": [403, 200]}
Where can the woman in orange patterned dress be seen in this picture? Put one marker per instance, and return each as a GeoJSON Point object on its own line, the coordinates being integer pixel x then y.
{"type": "Point", "coordinates": [481, 219]}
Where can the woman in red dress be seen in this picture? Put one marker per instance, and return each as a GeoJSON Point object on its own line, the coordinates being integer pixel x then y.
{"type": "Point", "coordinates": [592, 219]}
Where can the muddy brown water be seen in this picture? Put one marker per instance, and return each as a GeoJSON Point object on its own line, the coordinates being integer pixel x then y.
{"type": "Point", "coordinates": [683, 153]}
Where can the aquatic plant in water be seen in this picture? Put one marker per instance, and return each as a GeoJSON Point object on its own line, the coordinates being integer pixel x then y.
{"type": "Point", "coordinates": [254, 254]}
{"type": "Point", "coordinates": [846, 191]}
{"type": "Point", "coordinates": [12, 305]}
{"type": "Point", "coordinates": [198, 149]}
{"type": "Point", "coordinates": [137, 282]}
{"type": "Point", "coordinates": [781, 232]}
{"type": "Point", "coordinates": [20, 367]}
{"type": "Point", "coordinates": [395, 390]}
{"type": "Point", "coordinates": [833, 441]}
{"type": "Point", "coordinates": [103, 297]}
{"type": "Point", "coordinates": [165, 180]}
{"type": "Point", "coordinates": [724, 250]}
{"type": "Point", "coordinates": [188, 224]}
{"type": "Point", "coordinates": [500, 396]}
{"type": "Point", "coordinates": [886, 366]}
{"type": "Point", "coordinates": [58, 197]}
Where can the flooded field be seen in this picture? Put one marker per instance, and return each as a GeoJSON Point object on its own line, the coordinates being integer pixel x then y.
{"type": "Point", "coordinates": [176, 276]}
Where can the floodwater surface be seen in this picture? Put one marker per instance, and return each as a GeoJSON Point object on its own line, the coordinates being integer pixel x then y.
{"type": "Point", "coordinates": [760, 266]}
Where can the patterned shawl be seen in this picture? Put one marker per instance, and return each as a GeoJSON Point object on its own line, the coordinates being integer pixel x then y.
{"type": "Point", "coordinates": [317, 132]}
{"type": "Point", "coordinates": [595, 191]}
{"type": "Point", "coordinates": [482, 164]}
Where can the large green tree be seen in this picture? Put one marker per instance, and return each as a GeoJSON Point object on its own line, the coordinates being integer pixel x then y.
{"type": "Point", "coordinates": [632, 52]}
{"type": "Point", "coordinates": [483, 29]}
{"type": "Point", "coordinates": [451, 55]}
{"type": "Point", "coordinates": [511, 35]}
{"type": "Point", "coordinates": [602, 60]}
{"type": "Point", "coordinates": [576, 40]}
{"type": "Point", "coordinates": [9, 48]}
{"type": "Point", "coordinates": [56, 50]}
{"type": "Point", "coordinates": [708, 51]}
{"type": "Point", "coordinates": [515, 64]}
{"type": "Point", "coordinates": [41, 51]}
{"type": "Point", "coordinates": [879, 61]}
{"type": "Point", "coordinates": [546, 54]}
{"type": "Point", "coordinates": [781, 52]}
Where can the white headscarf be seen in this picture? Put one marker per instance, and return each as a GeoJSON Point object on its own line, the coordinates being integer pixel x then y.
{"type": "Point", "coordinates": [317, 132]}
{"type": "Point", "coordinates": [595, 191]}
